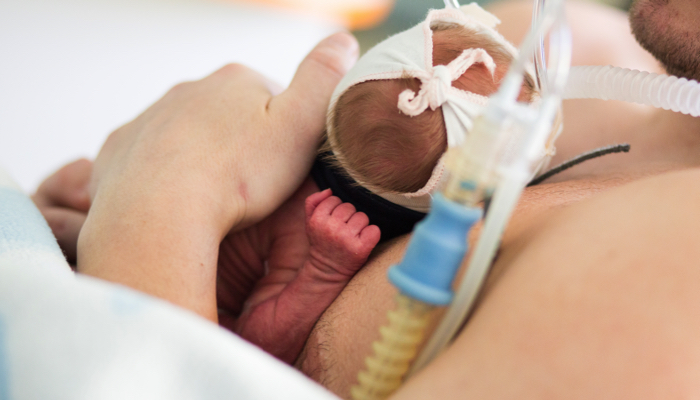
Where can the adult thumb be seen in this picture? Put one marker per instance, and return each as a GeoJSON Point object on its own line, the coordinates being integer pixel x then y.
{"type": "Point", "coordinates": [305, 102]}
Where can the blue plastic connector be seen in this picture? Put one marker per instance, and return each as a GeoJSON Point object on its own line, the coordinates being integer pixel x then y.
{"type": "Point", "coordinates": [435, 252]}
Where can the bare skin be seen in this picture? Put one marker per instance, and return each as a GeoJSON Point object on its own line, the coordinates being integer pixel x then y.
{"type": "Point", "coordinates": [588, 301]}
{"type": "Point", "coordinates": [594, 293]}
{"type": "Point", "coordinates": [369, 295]}
{"type": "Point", "coordinates": [597, 283]}
{"type": "Point", "coordinates": [168, 187]}
{"type": "Point", "coordinates": [64, 201]}
{"type": "Point", "coordinates": [275, 278]}
{"type": "Point", "coordinates": [295, 262]}
{"type": "Point", "coordinates": [592, 296]}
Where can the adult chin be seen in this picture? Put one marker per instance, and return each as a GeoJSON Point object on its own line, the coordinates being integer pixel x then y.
{"type": "Point", "coordinates": [670, 31]}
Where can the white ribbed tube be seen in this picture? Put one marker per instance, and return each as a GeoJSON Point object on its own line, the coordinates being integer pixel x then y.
{"type": "Point", "coordinates": [615, 83]}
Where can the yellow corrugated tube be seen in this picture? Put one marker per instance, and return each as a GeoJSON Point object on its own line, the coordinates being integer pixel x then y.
{"type": "Point", "coordinates": [424, 279]}
{"type": "Point", "coordinates": [394, 352]}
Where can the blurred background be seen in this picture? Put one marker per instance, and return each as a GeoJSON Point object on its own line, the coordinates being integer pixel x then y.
{"type": "Point", "coordinates": [72, 71]}
{"type": "Point", "coordinates": [371, 21]}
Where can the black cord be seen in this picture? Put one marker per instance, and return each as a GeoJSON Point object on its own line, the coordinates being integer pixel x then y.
{"type": "Point", "coordinates": [616, 148]}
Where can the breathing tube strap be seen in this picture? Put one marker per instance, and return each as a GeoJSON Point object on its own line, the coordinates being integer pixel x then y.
{"type": "Point", "coordinates": [392, 219]}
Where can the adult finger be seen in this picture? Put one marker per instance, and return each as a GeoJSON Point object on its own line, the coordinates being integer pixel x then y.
{"type": "Point", "coordinates": [65, 225]}
{"type": "Point", "coordinates": [305, 102]}
{"type": "Point", "coordinates": [67, 187]}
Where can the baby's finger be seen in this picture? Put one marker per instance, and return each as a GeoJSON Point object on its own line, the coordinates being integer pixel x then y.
{"type": "Point", "coordinates": [358, 222]}
{"type": "Point", "coordinates": [371, 235]}
{"type": "Point", "coordinates": [65, 224]}
{"type": "Point", "coordinates": [327, 206]}
{"type": "Point", "coordinates": [343, 212]}
{"type": "Point", "coordinates": [314, 200]}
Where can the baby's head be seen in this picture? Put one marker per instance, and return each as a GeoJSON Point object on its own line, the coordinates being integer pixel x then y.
{"type": "Point", "coordinates": [383, 147]}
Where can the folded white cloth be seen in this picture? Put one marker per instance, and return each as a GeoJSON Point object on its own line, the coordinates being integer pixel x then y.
{"type": "Point", "coordinates": [66, 336]}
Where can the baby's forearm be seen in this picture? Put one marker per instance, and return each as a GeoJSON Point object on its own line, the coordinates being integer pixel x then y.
{"type": "Point", "coordinates": [281, 325]}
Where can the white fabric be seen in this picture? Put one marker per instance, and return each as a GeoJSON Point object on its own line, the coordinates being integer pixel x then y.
{"type": "Point", "coordinates": [409, 53]}
{"type": "Point", "coordinates": [66, 336]}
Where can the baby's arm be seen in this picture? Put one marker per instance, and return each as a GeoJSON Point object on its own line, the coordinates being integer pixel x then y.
{"type": "Point", "coordinates": [340, 241]}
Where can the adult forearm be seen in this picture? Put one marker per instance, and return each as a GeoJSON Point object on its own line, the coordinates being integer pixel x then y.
{"type": "Point", "coordinates": [213, 155]}
{"type": "Point", "coordinates": [160, 244]}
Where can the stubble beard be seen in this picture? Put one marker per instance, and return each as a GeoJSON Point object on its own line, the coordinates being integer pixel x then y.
{"type": "Point", "coordinates": [663, 32]}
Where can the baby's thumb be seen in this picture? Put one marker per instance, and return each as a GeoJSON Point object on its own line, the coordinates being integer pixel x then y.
{"type": "Point", "coordinates": [306, 100]}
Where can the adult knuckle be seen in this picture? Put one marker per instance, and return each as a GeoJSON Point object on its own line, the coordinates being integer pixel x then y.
{"type": "Point", "coordinates": [63, 177]}
{"type": "Point", "coordinates": [112, 139]}
{"type": "Point", "coordinates": [232, 69]}
{"type": "Point", "coordinates": [179, 88]}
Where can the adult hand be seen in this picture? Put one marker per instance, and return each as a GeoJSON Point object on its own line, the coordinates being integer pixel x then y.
{"type": "Point", "coordinates": [64, 201]}
{"type": "Point", "coordinates": [210, 156]}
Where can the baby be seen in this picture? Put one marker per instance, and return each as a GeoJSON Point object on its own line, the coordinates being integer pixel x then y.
{"type": "Point", "coordinates": [394, 114]}
{"type": "Point", "coordinates": [381, 161]}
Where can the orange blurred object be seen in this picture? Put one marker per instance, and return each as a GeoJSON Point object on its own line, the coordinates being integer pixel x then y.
{"type": "Point", "coordinates": [353, 14]}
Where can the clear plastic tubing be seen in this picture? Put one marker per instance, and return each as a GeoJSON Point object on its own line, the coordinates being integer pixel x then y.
{"type": "Point", "coordinates": [451, 4]}
{"type": "Point", "coordinates": [615, 83]}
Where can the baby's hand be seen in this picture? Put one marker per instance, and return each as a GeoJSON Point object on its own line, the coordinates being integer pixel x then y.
{"type": "Point", "coordinates": [340, 242]}
{"type": "Point", "coordinates": [341, 238]}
